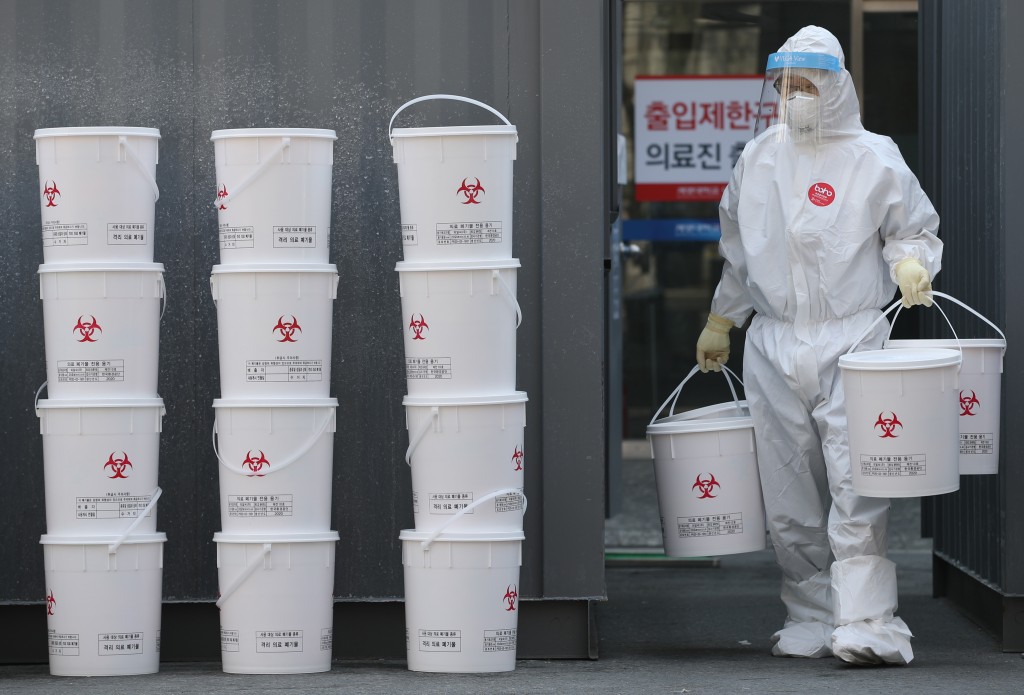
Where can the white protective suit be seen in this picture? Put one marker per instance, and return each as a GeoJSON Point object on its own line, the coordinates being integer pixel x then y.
{"type": "Point", "coordinates": [817, 270]}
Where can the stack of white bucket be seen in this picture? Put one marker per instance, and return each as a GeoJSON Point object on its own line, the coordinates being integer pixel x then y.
{"type": "Point", "coordinates": [464, 417]}
{"type": "Point", "coordinates": [275, 419]}
{"type": "Point", "coordinates": [101, 295]}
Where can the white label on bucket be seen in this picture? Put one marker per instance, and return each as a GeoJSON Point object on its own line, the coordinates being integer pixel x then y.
{"type": "Point", "coordinates": [119, 643]}
{"type": "Point", "coordinates": [326, 639]}
{"type": "Point", "coordinates": [89, 371]}
{"type": "Point", "coordinates": [428, 367]}
{"type": "Point", "coordinates": [500, 640]}
{"type": "Point", "coordinates": [237, 237]}
{"type": "Point", "coordinates": [127, 233]}
{"type": "Point", "coordinates": [275, 641]}
{"type": "Point", "coordinates": [893, 466]}
{"type": "Point", "coordinates": [113, 506]}
{"type": "Point", "coordinates": [294, 237]}
{"type": "Point", "coordinates": [57, 234]}
{"type": "Point", "coordinates": [976, 443]}
{"type": "Point", "coordinates": [229, 640]}
{"type": "Point", "coordinates": [453, 233]}
{"type": "Point", "coordinates": [508, 503]}
{"type": "Point", "coordinates": [440, 640]}
{"type": "Point", "coordinates": [707, 525]}
{"type": "Point", "coordinates": [450, 502]}
{"type": "Point", "coordinates": [409, 235]}
{"type": "Point", "coordinates": [63, 644]}
{"type": "Point", "coordinates": [284, 370]}
{"type": "Point", "coordinates": [251, 506]}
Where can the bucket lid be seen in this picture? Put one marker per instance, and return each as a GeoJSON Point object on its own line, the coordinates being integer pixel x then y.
{"type": "Point", "coordinates": [947, 343]}
{"type": "Point", "coordinates": [274, 268]}
{"type": "Point", "coordinates": [50, 403]}
{"type": "Point", "coordinates": [430, 401]}
{"type": "Point", "coordinates": [96, 130]}
{"type": "Point", "coordinates": [453, 130]}
{"type": "Point", "coordinates": [419, 267]}
{"type": "Point", "coordinates": [275, 402]}
{"type": "Point", "coordinates": [894, 360]}
{"type": "Point", "coordinates": [446, 536]}
{"type": "Point", "coordinates": [50, 539]}
{"type": "Point", "coordinates": [273, 132]}
{"type": "Point", "coordinates": [315, 537]}
{"type": "Point", "coordinates": [102, 267]}
{"type": "Point", "coordinates": [712, 418]}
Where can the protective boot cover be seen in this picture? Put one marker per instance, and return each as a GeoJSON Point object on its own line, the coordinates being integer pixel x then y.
{"type": "Point", "coordinates": [864, 600]}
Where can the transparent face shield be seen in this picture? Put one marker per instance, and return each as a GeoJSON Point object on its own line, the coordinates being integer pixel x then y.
{"type": "Point", "coordinates": [800, 97]}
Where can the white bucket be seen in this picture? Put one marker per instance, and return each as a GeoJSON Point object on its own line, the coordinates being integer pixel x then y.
{"type": "Point", "coordinates": [980, 394]}
{"type": "Point", "coordinates": [455, 188]}
{"type": "Point", "coordinates": [461, 601]}
{"type": "Point", "coordinates": [100, 461]}
{"type": "Point", "coordinates": [709, 489]}
{"type": "Point", "coordinates": [274, 194]}
{"type": "Point", "coordinates": [274, 329]}
{"type": "Point", "coordinates": [101, 325]}
{"type": "Point", "coordinates": [467, 456]}
{"type": "Point", "coordinates": [276, 461]}
{"type": "Point", "coordinates": [901, 410]}
{"type": "Point", "coordinates": [276, 602]}
{"type": "Point", "coordinates": [97, 193]}
{"type": "Point", "coordinates": [460, 320]}
{"type": "Point", "coordinates": [102, 606]}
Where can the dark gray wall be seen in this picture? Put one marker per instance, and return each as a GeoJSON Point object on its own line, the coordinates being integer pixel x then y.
{"type": "Point", "coordinates": [188, 68]}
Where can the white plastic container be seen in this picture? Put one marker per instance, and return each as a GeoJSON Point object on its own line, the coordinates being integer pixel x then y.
{"type": "Point", "coordinates": [102, 606]}
{"type": "Point", "coordinates": [455, 188]}
{"type": "Point", "coordinates": [276, 464]}
{"type": "Point", "coordinates": [461, 601]}
{"type": "Point", "coordinates": [460, 321]}
{"type": "Point", "coordinates": [276, 602]}
{"type": "Point", "coordinates": [274, 194]}
{"type": "Point", "coordinates": [101, 325]}
{"type": "Point", "coordinates": [97, 193]}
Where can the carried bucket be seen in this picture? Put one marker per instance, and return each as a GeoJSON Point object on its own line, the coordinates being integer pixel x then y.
{"type": "Point", "coordinates": [455, 187]}
{"type": "Point", "coordinates": [980, 394]}
{"type": "Point", "coordinates": [97, 193]}
{"type": "Point", "coordinates": [460, 320]}
{"type": "Point", "coordinates": [274, 329]}
{"type": "Point", "coordinates": [276, 602]}
{"type": "Point", "coordinates": [102, 605]}
{"type": "Point", "coordinates": [101, 324]}
{"type": "Point", "coordinates": [705, 467]}
{"type": "Point", "coordinates": [467, 456]}
{"type": "Point", "coordinates": [274, 194]}
{"type": "Point", "coordinates": [461, 600]}
{"type": "Point", "coordinates": [276, 464]}
{"type": "Point", "coordinates": [100, 461]}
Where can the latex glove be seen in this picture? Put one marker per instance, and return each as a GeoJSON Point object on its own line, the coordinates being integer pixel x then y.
{"type": "Point", "coordinates": [914, 281]}
{"type": "Point", "coordinates": [713, 344]}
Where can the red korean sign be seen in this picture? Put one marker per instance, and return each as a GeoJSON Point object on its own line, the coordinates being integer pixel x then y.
{"type": "Point", "coordinates": [690, 130]}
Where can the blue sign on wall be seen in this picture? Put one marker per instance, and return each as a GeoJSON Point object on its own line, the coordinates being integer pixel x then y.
{"type": "Point", "coordinates": [680, 229]}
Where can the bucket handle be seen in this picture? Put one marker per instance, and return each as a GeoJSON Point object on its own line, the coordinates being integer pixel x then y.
{"type": "Point", "coordinates": [246, 573]}
{"type": "Point", "coordinates": [451, 97]}
{"type": "Point", "coordinates": [35, 402]}
{"type": "Point", "coordinates": [943, 295]}
{"type": "Point", "coordinates": [255, 173]}
{"type": "Point", "coordinates": [415, 441]}
{"type": "Point", "coordinates": [303, 450]}
{"type": "Point", "coordinates": [112, 548]}
{"type": "Point", "coordinates": [674, 396]}
{"type": "Point", "coordinates": [133, 157]}
{"type": "Point", "coordinates": [163, 295]}
{"type": "Point", "coordinates": [899, 303]}
{"type": "Point", "coordinates": [468, 508]}
{"type": "Point", "coordinates": [496, 276]}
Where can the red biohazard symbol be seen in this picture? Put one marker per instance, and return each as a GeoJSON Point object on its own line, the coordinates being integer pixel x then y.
{"type": "Point", "coordinates": [86, 329]}
{"type": "Point", "coordinates": [517, 458]}
{"type": "Point", "coordinates": [51, 193]}
{"type": "Point", "coordinates": [119, 465]}
{"type": "Point", "coordinates": [418, 325]}
{"type": "Point", "coordinates": [256, 464]}
{"type": "Point", "coordinates": [50, 603]}
{"type": "Point", "coordinates": [471, 191]}
{"type": "Point", "coordinates": [821, 194]}
{"type": "Point", "coordinates": [888, 425]}
{"type": "Point", "coordinates": [222, 192]}
{"type": "Point", "coordinates": [287, 329]}
{"type": "Point", "coordinates": [510, 598]}
{"type": "Point", "coordinates": [706, 486]}
{"type": "Point", "coordinates": [967, 404]}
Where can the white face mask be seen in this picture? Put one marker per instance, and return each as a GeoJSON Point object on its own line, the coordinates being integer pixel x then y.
{"type": "Point", "coordinates": [802, 112]}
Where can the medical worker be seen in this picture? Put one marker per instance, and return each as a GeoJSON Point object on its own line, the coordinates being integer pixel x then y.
{"type": "Point", "coordinates": [821, 221]}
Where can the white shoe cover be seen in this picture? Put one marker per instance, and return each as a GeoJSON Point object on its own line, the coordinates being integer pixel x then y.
{"type": "Point", "coordinates": [811, 639]}
{"type": "Point", "coordinates": [872, 642]}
